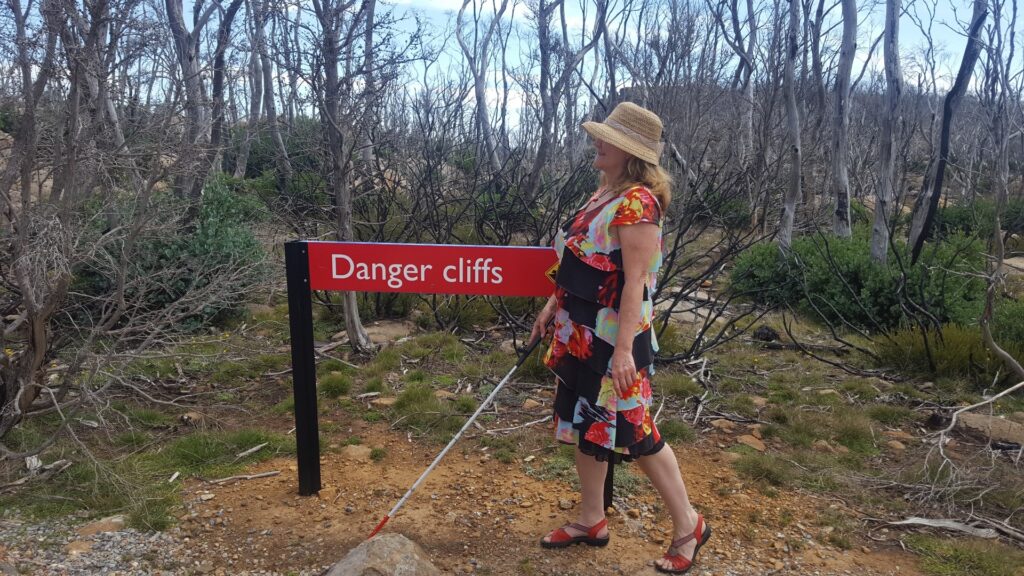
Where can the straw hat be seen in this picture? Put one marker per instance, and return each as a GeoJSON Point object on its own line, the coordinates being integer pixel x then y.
{"type": "Point", "coordinates": [631, 129]}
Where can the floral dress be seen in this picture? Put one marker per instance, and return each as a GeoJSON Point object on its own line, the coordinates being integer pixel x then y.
{"type": "Point", "coordinates": [588, 410]}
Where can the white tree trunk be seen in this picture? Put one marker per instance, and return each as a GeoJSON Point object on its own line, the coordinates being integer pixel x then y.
{"type": "Point", "coordinates": [885, 192]}
{"type": "Point", "coordinates": [841, 123]}
{"type": "Point", "coordinates": [793, 124]}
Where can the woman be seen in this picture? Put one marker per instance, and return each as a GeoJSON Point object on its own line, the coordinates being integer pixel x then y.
{"type": "Point", "coordinates": [610, 252]}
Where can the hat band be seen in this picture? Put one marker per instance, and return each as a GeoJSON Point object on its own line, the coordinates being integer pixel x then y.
{"type": "Point", "coordinates": [655, 146]}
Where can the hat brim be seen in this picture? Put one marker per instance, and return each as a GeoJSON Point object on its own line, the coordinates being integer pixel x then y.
{"type": "Point", "coordinates": [620, 141]}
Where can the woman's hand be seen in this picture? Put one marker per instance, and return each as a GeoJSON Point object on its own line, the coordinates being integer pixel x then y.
{"type": "Point", "coordinates": [540, 325]}
{"type": "Point", "coordinates": [623, 370]}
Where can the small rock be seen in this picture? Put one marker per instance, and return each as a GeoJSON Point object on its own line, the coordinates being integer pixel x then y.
{"type": "Point", "coordinates": [899, 435]}
{"type": "Point", "coordinates": [730, 457]}
{"type": "Point", "coordinates": [633, 512]}
{"type": "Point", "coordinates": [896, 445]}
{"type": "Point", "coordinates": [723, 424]}
{"type": "Point", "coordinates": [356, 452]}
{"type": "Point", "coordinates": [206, 496]}
{"type": "Point", "coordinates": [753, 442]}
{"type": "Point", "coordinates": [507, 347]}
{"type": "Point", "coordinates": [525, 504]}
{"type": "Point", "coordinates": [192, 418]}
{"type": "Point", "coordinates": [76, 547]}
{"type": "Point", "coordinates": [565, 504]}
{"type": "Point", "coordinates": [110, 524]}
{"type": "Point", "coordinates": [822, 446]}
{"type": "Point", "coordinates": [530, 404]}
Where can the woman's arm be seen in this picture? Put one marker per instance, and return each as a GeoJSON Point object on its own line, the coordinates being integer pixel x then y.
{"type": "Point", "coordinates": [639, 244]}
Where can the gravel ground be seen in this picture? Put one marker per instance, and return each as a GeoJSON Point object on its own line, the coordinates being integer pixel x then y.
{"type": "Point", "coordinates": [52, 548]}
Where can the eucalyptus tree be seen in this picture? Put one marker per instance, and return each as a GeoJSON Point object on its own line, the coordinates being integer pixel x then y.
{"type": "Point", "coordinates": [885, 191]}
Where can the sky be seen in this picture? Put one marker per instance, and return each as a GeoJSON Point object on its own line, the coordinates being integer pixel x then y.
{"type": "Point", "coordinates": [946, 30]}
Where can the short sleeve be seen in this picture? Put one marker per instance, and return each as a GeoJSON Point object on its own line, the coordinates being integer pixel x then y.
{"type": "Point", "coordinates": [637, 206]}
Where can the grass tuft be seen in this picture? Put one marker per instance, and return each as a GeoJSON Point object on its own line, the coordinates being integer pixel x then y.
{"type": "Point", "coordinates": [764, 468]}
{"type": "Point", "coordinates": [966, 557]}
{"type": "Point", "coordinates": [676, 431]}
{"type": "Point", "coordinates": [335, 385]}
{"type": "Point", "coordinates": [678, 386]}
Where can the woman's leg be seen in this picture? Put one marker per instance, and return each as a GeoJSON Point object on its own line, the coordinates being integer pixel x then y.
{"type": "Point", "coordinates": [663, 470]}
{"type": "Point", "coordinates": [592, 473]}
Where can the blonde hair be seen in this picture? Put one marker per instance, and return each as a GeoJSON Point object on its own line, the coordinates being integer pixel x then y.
{"type": "Point", "coordinates": [638, 171]}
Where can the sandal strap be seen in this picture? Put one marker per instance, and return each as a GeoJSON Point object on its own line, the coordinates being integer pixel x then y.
{"type": "Point", "coordinates": [698, 532]}
{"type": "Point", "coordinates": [590, 531]}
{"type": "Point", "coordinates": [680, 541]}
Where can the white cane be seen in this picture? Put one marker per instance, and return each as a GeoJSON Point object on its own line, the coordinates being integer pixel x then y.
{"type": "Point", "coordinates": [483, 405]}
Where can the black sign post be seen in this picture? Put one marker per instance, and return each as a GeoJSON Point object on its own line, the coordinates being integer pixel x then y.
{"type": "Point", "coordinates": [300, 320]}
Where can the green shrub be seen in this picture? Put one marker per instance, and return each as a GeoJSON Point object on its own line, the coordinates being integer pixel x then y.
{"type": "Point", "coordinates": [836, 280]}
{"type": "Point", "coordinates": [955, 352]}
{"type": "Point", "coordinates": [860, 215]}
{"type": "Point", "coordinates": [9, 117]}
{"type": "Point", "coordinates": [975, 219]}
{"type": "Point", "coordinates": [220, 242]}
{"type": "Point", "coordinates": [764, 275]}
{"type": "Point", "coordinates": [1013, 216]}
{"type": "Point", "coordinates": [335, 385]}
{"type": "Point", "coordinates": [724, 207]}
{"type": "Point", "coordinates": [1008, 324]}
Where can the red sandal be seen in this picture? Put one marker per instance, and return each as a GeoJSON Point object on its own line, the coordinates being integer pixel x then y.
{"type": "Point", "coordinates": [681, 564]}
{"type": "Point", "coordinates": [561, 539]}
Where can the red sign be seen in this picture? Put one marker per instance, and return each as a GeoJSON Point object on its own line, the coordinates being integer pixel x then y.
{"type": "Point", "coordinates": [431, 268]}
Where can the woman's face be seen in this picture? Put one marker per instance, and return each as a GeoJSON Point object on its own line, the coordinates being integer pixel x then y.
{"type": "Point", "coordinates": [609, 159]}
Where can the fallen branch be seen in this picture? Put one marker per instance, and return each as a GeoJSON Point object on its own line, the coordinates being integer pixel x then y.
{"type": "Point", "coordinates": [250, 451]}
{"type": "Point", "coordinates": [837, 350]}
{"type": "Point", "coordinates": [39, 473]}
{"type": "Point", "coordinates": [497, 430]}
{"type": "Point", "coordinates": [245, 477]}
{"type": "Point", "coordinates": [947, 524]}
{"type": "Point", "coordinates": [1002, 527]}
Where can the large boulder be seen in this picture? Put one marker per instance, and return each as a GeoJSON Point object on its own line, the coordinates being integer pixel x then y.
{"type": "Point", "coordinates": [385, 555]}
{"type": "Point", "coordinates": [992, 427]}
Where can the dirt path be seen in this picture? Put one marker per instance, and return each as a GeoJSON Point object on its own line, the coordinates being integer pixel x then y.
{"type": "Point", "coordinates": [477, 515]}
